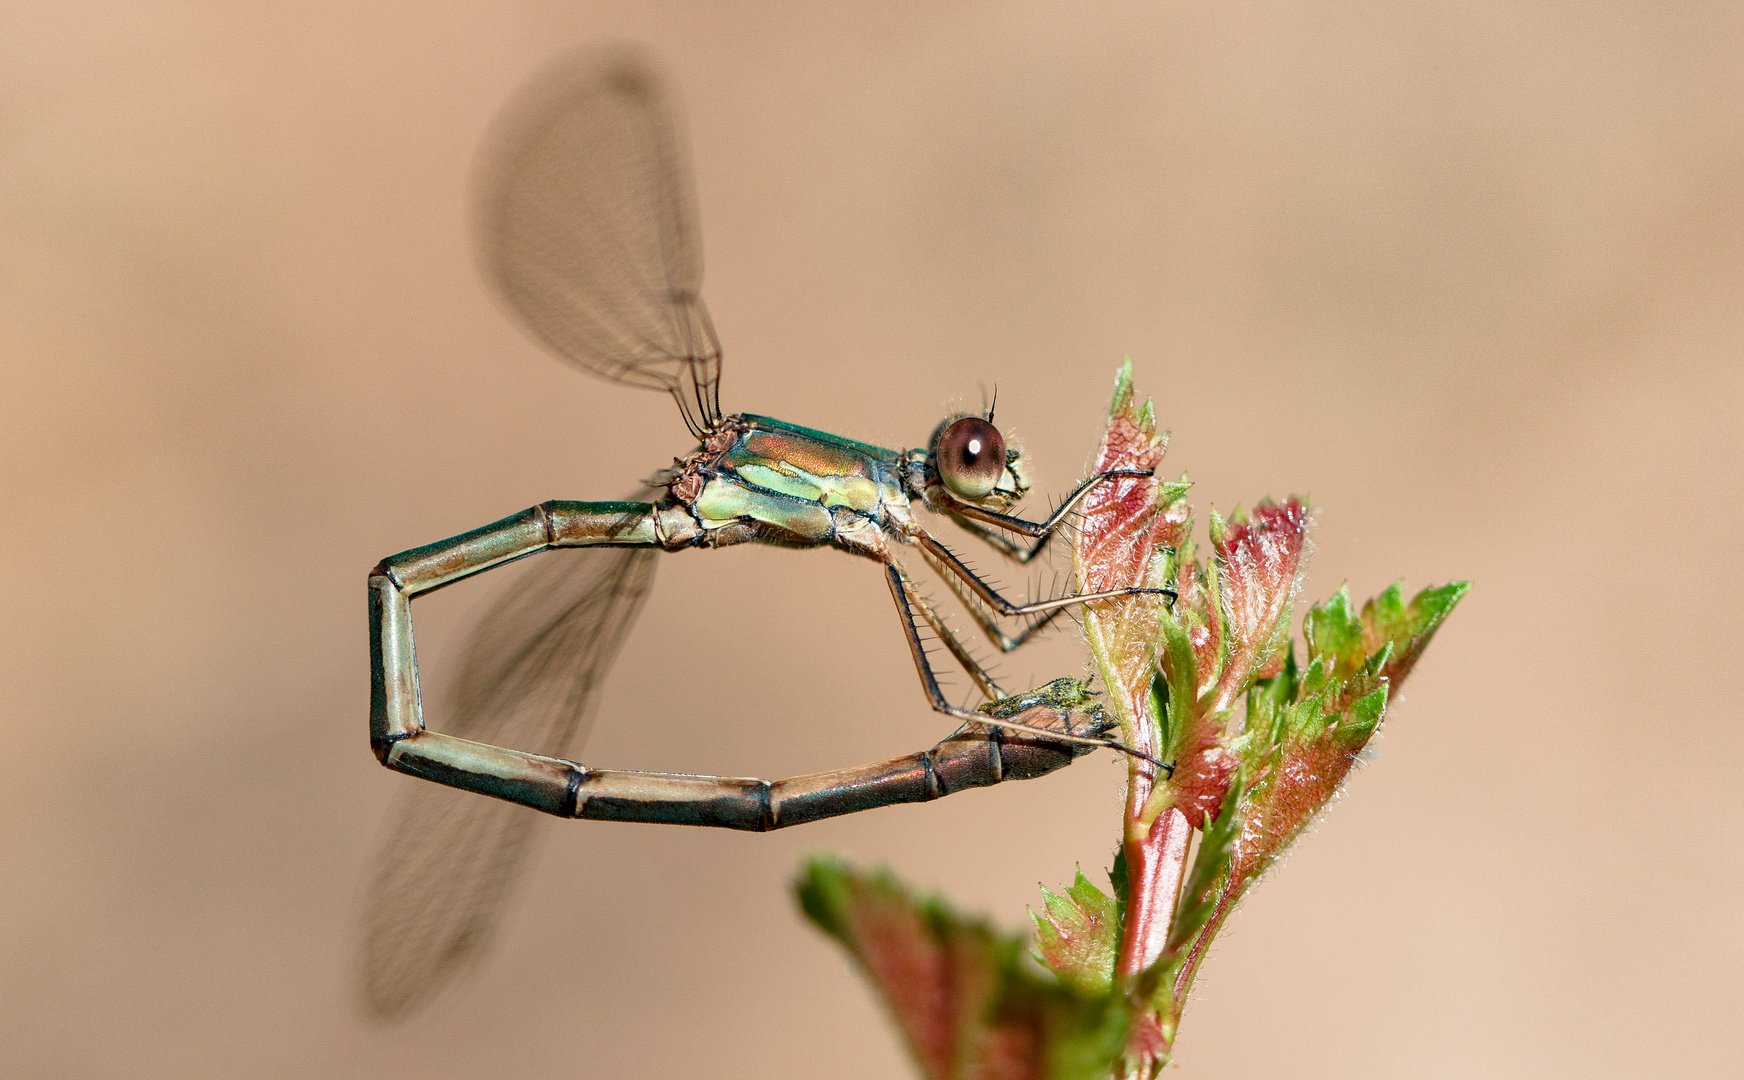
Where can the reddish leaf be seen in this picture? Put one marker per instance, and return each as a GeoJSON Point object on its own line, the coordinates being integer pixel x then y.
{"type": "Point", "coordinates": [1121, 529]}
{"type": "Point", "coordinates": [1306, 767]}
{"type": "Point", "coordinates": [1198, 611]}
{"type": "Point", "coordinates": [1203, 771]}
{"type": "Point", "coordinates": [1259, 561]}
{"type": "Point", "coordinates": [1125, 525]}
{"type": "Point", "coordinates": [934, 987]}
{"type": "Point", "coordinates": [957, 989]}
{"type": "Point", "coordinates": [1304, 733]}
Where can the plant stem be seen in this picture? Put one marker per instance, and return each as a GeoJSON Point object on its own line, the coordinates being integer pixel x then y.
{"type": "Point", "coordinates": [1156, 862]}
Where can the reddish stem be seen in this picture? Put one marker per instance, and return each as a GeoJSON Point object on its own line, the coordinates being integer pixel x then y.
{"type": "Point", "coordinates": [1155, 866]}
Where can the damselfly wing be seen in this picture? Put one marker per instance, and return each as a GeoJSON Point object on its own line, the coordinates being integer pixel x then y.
{"type": "Point", "coordinates": [587, 228]}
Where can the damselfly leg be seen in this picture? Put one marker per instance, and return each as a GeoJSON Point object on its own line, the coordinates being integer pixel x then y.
{"type": "Point", "coordinates": [902, 591]}
{"type": "Point", "coordinates": [970, 517]}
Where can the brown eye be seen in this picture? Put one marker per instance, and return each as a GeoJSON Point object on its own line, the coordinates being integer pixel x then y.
{"type": "Point", "coordinates": [971, 457]}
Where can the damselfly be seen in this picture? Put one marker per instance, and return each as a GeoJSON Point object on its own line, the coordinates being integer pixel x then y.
{"type": "Point", "coordinates": [588, 230]}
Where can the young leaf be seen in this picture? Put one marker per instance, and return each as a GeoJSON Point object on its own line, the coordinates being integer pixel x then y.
{"type": "Point", "coordinates": [1078, 935]}
{"type": "Point", "coordinates": [1335, 632]}
{"type": "Point", "coordinates": [1259, 564]}
{"type": "Point", "coordinates": [1198, 610]}
{"type": "Point", "coordinates": [957, 989]}
{"type": "Point", "coordinates": [1122, 528]}
{"type": "Point", "coordinates": [1407, 628]}
{"type": "Point", "coordinates": [1227, 627]}
{"type": "Point", "coordinates": [1304, 732]}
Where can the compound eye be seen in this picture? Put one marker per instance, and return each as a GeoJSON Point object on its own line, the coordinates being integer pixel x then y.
{"type": "Point", "coordinates": [971, 457]}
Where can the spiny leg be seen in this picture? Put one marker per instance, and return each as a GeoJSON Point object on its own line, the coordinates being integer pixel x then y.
{"type": "Point", "coordinates": [995, 633]}
{"type": "Point", "coordinates": [899, 592]}
{"type": "Point", "coordinates": [948, 560]}
{"type": "Point", "coordinates": [967, 585]}
{"type": "Point", "coordinates": [982, 678]}
{"type": "Point", "coordinates": [1021, 554]}
{"type": "Point", "coordinates": [1042, 530]}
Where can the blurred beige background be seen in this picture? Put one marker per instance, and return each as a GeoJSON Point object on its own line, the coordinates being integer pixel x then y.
{"type": "Point", "coordinates": [1469, 274]}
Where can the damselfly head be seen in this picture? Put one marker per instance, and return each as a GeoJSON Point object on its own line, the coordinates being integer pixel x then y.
{"type": "Point", "coordinates": [971, 459]}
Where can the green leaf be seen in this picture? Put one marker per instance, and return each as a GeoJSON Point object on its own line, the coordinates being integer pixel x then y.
{"type": "Point", "coordinates": [1120, 878]}
{"type": "Point", "coordinates": [1079, 934]}
{"type": "Point", "coordinates": [1408, 628]}
{"type": "Point", "coordinates": [1176, 693]}
{"type": "Point", "coordinates": [1363, 716]}
{"type": "Point", "coordinates": [1266, 700]}
{"type": "Point", "coordinates": [1334, 632]}
{"type": "Point", "coordinates": [1122, 390]}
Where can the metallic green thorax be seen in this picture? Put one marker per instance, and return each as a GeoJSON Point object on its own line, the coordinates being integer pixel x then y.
{"type": "Point", "coordinates": [792, 478]}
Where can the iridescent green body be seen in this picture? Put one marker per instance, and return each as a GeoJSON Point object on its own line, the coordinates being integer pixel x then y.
{"type": "Point", "coordinates": [764, 479]}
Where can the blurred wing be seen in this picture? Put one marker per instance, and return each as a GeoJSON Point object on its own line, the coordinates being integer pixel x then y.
{"type": "Point", "coordinates": [534, 665]}
{"type": "Point", "coordinates": [588, 228]}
